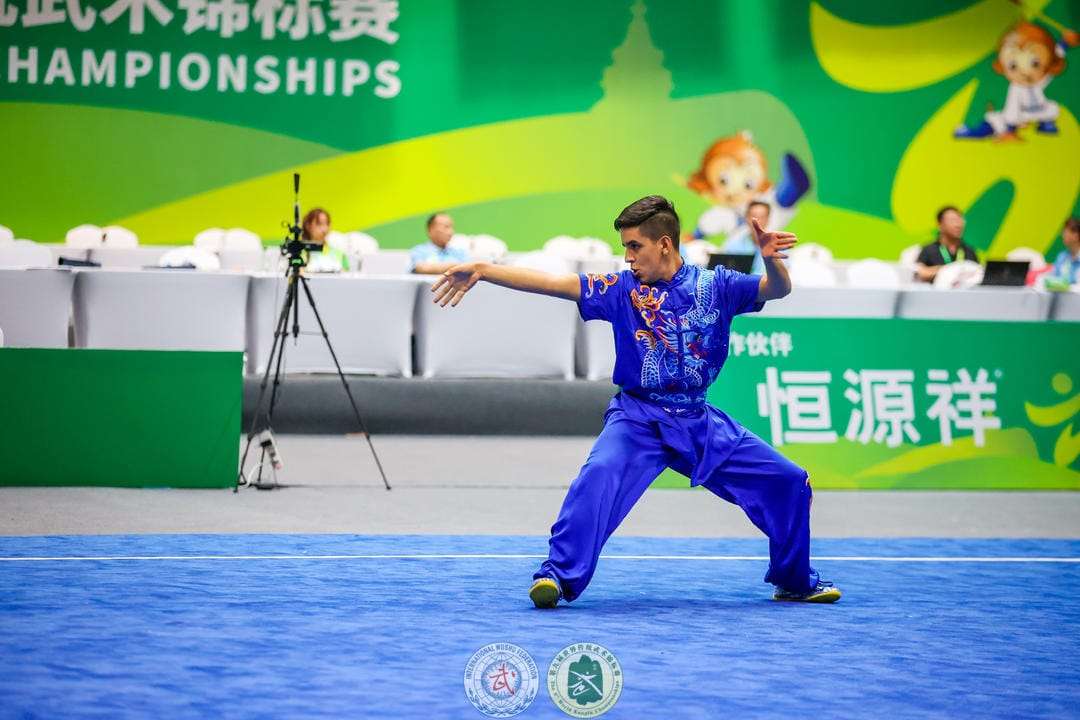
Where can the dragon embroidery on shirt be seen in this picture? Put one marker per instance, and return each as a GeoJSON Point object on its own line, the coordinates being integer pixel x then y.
{"type": "Point", "coordinates": [605, 281]}
{"type": "Point", "coordinates": [661, 369]}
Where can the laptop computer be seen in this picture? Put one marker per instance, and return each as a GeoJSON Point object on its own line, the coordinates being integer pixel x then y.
{"type": "Point", "coordinates": [736, 261]}
{"type": "Point", "coordinates": [1007, 273]}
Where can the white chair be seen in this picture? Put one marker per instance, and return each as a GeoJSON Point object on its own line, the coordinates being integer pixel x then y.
{"type": "Point", "coordinates": [810, 251]}
{"type": "Point", "coordinates": [201, 258]}
{"type": "Point", "coordinates": [872, 273]}
{"type": "Point", "coordinates": [809, 273]}
{"type": "Point", "coordinates": [211, 239]}
{"type": "Point", "coordinates": [240, 239]}
{"type": "Point", "coordinates": [115, 236]}
{"type": "Point", "coordinates": [355, 245]}
{"type": "Point", "coordinates": [1030, 255]}
{"type": "Point", "coordinates": [6, 235]}
{"type": "Point", "coordinates": [564, 246]}
{"type": "Point", "coordinates": [546, 262]}
{"type": "Point", "coordinates": [84, 237]}
{"type": "Point", "coordinates": [697, 252]}
{"type": "Point", "coordinates": [25, 253]}
{"type": "Point", "coordinates": [909, 255]}
{"type": "Point", "coordinates": [461, 242]}
{"type": "Point", "coordinates": [595, 248]}
{"type": "Point", "coordinates": [959, 275]}
{"type": "Point", "coordinates": [488, 247]}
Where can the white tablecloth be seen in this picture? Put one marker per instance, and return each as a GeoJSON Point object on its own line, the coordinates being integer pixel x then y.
{"type": "Point", "coordinates": [160, 309]}
{"type": "Point", "coordinates": [369, 321]}
{"type": "Point", "coordinates": [1066, 307]}
{"type": "Point", "coordinates": [35, 307]}
{"type": "Point", "coordinates": [979, 303]}
{"type": "Point", "coordinates": [834, 302]}
{"type": "Point", "coordinates": [132, 258]}
{"type": "Point", "coordinates": [496, 332]}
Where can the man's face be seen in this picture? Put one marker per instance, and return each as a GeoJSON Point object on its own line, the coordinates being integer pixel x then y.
{"type": "Point", "coordinates": [759, 213]}
{"type": "Point", "coordinates": [952, 224]}
{"type": "Point", "coordinates": [645, 255]}
{"type": "Point", "coordinates": [441, 230]}
{"type": "Point", "coordinates": [1071, 238]}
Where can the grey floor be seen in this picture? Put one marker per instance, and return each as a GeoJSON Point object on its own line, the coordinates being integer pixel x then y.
{"type": "Point", "coordinates": [495, 485]}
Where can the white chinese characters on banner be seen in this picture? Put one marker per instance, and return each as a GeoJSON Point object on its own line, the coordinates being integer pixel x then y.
{"type": "Point", "coordinates": [136, 12]}
{"type": "Point", "coordinates": [805, 399]}
{"type": "Point", "coordinates": [962, 404]}
{"type": "Point", "coordinates": [885, 406]}
{"type": "Point", "coordinates": [295, 19]}
{"type": "Point", "coordinates": [49, 12]}
{"type": "Point", "coordinates": [796, 404]}
{"type": "Point", "coordinates": [758, 344]}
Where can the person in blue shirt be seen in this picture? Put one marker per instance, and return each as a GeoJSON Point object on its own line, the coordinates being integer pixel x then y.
{"type": "Point", "coordinates": [741, 241]}
{"type": "Point", "coordinates": [671, 322]}
{"type": "Point", "coordinates": [436, 255]}
{"type": "Point", "coordinates": [1067, 264]}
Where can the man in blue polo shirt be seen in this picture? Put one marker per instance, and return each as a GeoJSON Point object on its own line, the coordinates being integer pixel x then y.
{"type": "Point", "coordinates": [671, 322]}
{"type": "Point", "coordinates": [436, 255]}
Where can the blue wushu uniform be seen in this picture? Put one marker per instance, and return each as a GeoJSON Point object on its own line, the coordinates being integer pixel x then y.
{"type": "Point", "coordinates": [671, 339]}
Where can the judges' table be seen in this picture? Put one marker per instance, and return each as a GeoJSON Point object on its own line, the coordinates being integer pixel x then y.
{"type": "Point", "coordinates": [35, 306]}
{"type": "Point", "coordinates": [837, 302]}
{"type": "Point", "coordinates": [369, 320]}
{"type": "Point", "coordinates": [496, 332]}
{"type": "Point", "coordinates": [979, 303]}
{"type": "Point", "coordinates": [160, 310]}
{"type": "Point", "coordinates": [1066, 307]}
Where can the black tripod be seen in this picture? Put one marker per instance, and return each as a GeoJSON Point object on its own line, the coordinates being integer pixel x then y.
{"type": "Point", "coordinates": [294, 248]}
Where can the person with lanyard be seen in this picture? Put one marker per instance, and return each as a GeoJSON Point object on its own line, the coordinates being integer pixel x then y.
{"type": "Point", "coordinates": [436, 255]}
{"type": "Point", "coordinates": [316, 227]}
{"type": "Point", "coordinates": [671, 322]}
{"type": "Point", "coordinates": [947, 248]}
{"type": "Point", "coordinates": [1067, 264]}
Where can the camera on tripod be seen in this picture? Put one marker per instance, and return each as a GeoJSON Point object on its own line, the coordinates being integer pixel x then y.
{"type": "Point", "coordinates": [293, 246]}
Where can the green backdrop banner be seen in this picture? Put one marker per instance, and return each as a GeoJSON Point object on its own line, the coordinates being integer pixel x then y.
{"type": "Point", "coordinates": [534, 120]}
{"type": "Point", "coordinates": [910, 404]}
{"type": "Point", "coordinates": [120, 417]}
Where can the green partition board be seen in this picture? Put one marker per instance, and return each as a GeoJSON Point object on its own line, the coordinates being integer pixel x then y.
{"type": "Point", "coordinates": [125, 418]}
{"type": "Point", "coordinates": [893, 404]}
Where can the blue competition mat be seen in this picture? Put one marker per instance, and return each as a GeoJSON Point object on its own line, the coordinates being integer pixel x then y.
{"type": "Point", "coordinates": [358, 626]}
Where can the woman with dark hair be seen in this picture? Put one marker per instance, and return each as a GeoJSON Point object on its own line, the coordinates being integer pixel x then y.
{"type": "Point", "coordinates": [1067, 264]}
{"type": "Point", "coordinates": [315, 229]}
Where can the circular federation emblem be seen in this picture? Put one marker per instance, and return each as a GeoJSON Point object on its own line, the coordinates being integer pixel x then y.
{"type": "Point", "coordinates": [501, 680]}
{"type": "Point", "coordinates": [585, 680]}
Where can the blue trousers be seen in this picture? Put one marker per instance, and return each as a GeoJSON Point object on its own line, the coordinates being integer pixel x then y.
{"type": "Point", "coordinates": [638, 441]}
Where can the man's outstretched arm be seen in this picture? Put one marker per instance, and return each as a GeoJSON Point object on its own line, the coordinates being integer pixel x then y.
{"type": "Point", "coordinates": [458, 280]}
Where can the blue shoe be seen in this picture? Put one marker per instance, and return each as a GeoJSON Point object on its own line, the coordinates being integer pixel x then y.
{"type": "Point", "coordinates": [979, 131]}
{"type": "Point", "coordinates": [545, 593]}
{"type": "Point", "coordinates": [1048, 127]}
{"type": "Point", "coordinates": [794, 181]}
{"type": "Point", "coordinates": [823, 592]}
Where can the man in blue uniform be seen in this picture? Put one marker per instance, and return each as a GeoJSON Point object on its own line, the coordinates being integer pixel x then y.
{"type": "Point", "coordinates": [671, 322]}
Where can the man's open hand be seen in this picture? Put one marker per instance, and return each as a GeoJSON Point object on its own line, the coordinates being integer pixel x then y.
{"type": "Point", "coordinates": [454, 283]}
{"type": "Point", "coordinates": [772, 244]}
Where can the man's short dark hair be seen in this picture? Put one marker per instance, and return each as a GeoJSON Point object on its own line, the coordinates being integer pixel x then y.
{"type": "Point", "coordinates": [431, 218]}
{"type": "Point", "coordinates": [654, 216]}
{"type": "Point", "coordinates": [947, 208]}
{"type": "Point", "coordinates": [762, 203]}
{"type": "Point", "coordinates": [1072, 224]}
